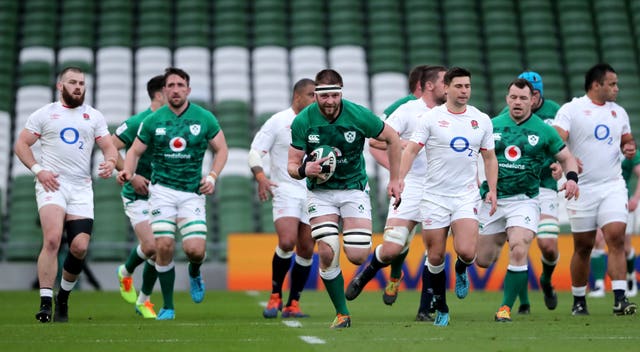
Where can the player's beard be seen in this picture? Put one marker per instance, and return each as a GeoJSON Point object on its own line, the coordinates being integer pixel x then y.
{"type": "Point", "coordinates": [70, 100]}
{"type": "Point", "coordinates": [177, 103]}
{"type": "Point", "coordinates": [329, 110]}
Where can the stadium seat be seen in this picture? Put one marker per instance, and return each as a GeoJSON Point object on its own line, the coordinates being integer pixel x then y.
{"type": "Point", "coordinates": [25, 236]}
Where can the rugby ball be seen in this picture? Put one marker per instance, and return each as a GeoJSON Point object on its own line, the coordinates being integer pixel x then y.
{"type": "Point", "coordinates": [328, 166]}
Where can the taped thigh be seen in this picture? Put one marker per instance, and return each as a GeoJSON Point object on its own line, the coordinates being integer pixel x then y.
{"type": "Point", "coordinates": [548, 228]}
{"type": "Point", "coordinates": [192, 228]}
{"type": "Point", "coordinates": [163, 228]}
{"type": "Point", "coordinates": [357, 238]}
{"type": "Point", "coordinates": [396, 234]}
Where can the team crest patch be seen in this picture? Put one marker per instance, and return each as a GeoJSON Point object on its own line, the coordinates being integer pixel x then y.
{"type": "Point", "coordinates": [533, 140]}
{"type": "Point", "coordinates": [613, 113]}
{"type": "Point", "coordinates": [474, 124]}
{"type": "Point", "coordinates": [350, 136]}
{"type": "Point", "coordinates": [194, 129]}
{"type": "Point", "coordinates": [86, 116]}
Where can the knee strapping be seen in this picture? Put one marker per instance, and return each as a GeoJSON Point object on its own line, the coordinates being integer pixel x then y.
{"type": "Point", "coordinates": [334, 243]}
{"type": "Point", "coordinates": [72, 264]}
{"type": "Point", "coordinates": [323, 229]}
{"type": "Point", "coordinates": [190, 228]}
{"type": "Point", "coordinates": [357, 238]}
{"type": "Point", "coordinates": [76, 227]}
{"type": "Point", "coordinates": [396, 234]}
{"type": "Point", "coordinates": [548, 228]}
{"type": "Point", "coordinates": [163, 228]}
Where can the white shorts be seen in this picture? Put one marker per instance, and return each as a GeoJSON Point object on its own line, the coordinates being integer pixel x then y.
{"type": "Point", "coordinates": [632, 222]}
{"type": "Point", "coordinates": [598, 206]}
{"type": "Point", "coordinates": [136, 210]}
{"type": "Point", "coordinates": [549, 202]}
{"type": "Point", "coordinates": [350, 203]}
{"type": "Point", "coordinates": [75, 199]}
{"type": "Point", "coordinates": [440, 211]}
{"type": "Point", "coordinates": [409, 208]}
{"type": "Point", "coordinates": [520, 211]}
{"type": "Point", "coordinates": [167, 203]}
{"type": "Point", "coordinates": [284, 206]}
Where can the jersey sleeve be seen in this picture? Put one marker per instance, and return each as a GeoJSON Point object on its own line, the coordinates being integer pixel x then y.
{"type": "Point", "coordinates": [298, 129]}
{"type": "Point", "coordinates": [396, 120]}
{"type": "Point", "coordinates": [421, 133]}
{"type": "Point", "coordinates": [373, 124]}
{"type": "Point", "coordinates": [488, 142]}
{"type": "Point", "coordinates": [213, 126]}
{"type": "Point", "coordinates": [265, 138]}
{"type": "Point", "coordinates": [563, 117]}
{"type": "Point", "coordinates": [100, 127]}
{"type": "Point", "coordinates": [145, 131]}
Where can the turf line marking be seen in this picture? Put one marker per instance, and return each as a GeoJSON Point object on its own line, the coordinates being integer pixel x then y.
{"type": "Point", "coordinates": [312, 340]}
{"type": "Point", "coordinates": [292, 323]}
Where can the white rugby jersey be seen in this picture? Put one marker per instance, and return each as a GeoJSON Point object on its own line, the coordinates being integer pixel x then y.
{"type": "Point", "coordinates": [595, 133]}
{"type": "Point", "coordinates": [452, 142]}
{"type": "Point", "coordinates": [404, 120]}
{"type": "Point", "coordinates": [274, 137]}
{"type": "Point", "coordinates": [67, 137]}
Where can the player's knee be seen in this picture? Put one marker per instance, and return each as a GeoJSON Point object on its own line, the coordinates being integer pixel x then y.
{"type": "Point", "coordinates": [329, 251]}
{"type": "Point", "coordinates": [192, 228]}
{"type": "Point", "coordinates": [396, 234]}
{"type": "Point", "coordinates": [163, 228]}
{"type": "Point", "coordinates": [73, 264]}
{"type": "Point", "coordinates": [435, 258]}
{"type": "Point", "coordinates": [148, 248]}
{"type": "Point", "coordinates": [287, 244]}
{"type": "Point", "coordinates": [51, 244]}
{"type": "Point", "coordinates": [357, 256]}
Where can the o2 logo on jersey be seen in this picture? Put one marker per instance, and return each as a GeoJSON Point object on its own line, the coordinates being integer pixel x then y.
{"type": "Point", "coordinates": [460, 145]}
{"type": "Point", "coordinates": [512, 153]}
{"type": "Point", "coordinates": [177, 144]}
{"type": "Point", "coordinates": [70, 135]}
{"type": "Point", "coordinates": [602, 133]}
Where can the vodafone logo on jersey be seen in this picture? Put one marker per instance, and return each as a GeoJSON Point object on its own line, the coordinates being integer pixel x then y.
{"type": "Point", "coordinates": [512, 153]}
{"type": "Point", "coordinates": [177, 144]}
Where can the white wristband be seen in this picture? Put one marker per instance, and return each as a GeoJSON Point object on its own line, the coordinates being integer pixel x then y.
{"type": "Point", "coordinates": [36, 168]}
{"type": "Point", "coordinates": [211, 180]}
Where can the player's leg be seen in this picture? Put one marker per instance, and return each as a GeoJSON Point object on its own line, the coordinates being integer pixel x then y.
{"type": "Point", "coordinates": [547, 239]}
{"type": "Point", "coordinates": [425, 309]}
{"type": "Point", "coordinates": [144, 306]}
{"type": "Point", "coordinates": [52, 222]}
{"type": "Point", "coordinates": [598, 264]}
{"type": "Point", "coordinates": [287, 231]}
{"type": "Point", "coordinates": [300, 271]}
{"type": "Point", "coordinates": [137, 212]}
{"type": "Point", "coordinates": [613, 217]}
{"type": "Point", "coordinates": [632, 283]}
{"type": "Point", "coordinates": [464, 225]}
{"type": "Point", "coordinates": [194, 240]}
{"type": "Point", "coordinates": [436, 246]}
{"type": "Point", "coordinates": [78, 231]}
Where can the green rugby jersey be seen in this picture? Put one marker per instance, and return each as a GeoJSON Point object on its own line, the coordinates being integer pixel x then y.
{"type": "Point", "coordinates": [391, 108]}
{"type": "Point", "coordinates": [547, 112]}
{"type": "Point", "coordinates": [127, 132]}
{"type": "Point", "coordinates": [177, 145]}
{"type": "Point", "coordinates": [627, 170]}
{"type": "Point", "coordinates": [522, 150]}
{"type": "Point", "coordinates": [346, 134]}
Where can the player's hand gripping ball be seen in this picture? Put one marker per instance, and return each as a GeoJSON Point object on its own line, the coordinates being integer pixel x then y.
{"type": "Point", "coordinates": [328, 166]}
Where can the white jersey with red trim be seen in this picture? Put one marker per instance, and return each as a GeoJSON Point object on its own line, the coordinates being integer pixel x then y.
{"type": "Point", "coordinates": [404, 120]}
{"type": "Point", "coordinates": [274, 138]}
{"type": "Point", "coordinates": [67, 137]}
{"type": "Point", "coordinates": [595, 132]}
{"type": "Point", "coordinates": [453, 142]}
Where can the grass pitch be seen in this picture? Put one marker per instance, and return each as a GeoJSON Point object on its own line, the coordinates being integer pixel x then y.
{"type": "Point", "coordinates": [232, 321]}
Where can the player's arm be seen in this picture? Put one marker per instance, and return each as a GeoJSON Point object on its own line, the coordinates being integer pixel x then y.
{"type": "Point", "coordinates": [131, 160]}
{"type": "Point", "coordinates": [110, 156]}
{"type": "Point", "coordinates": [635, 198]}
{"type": "Point", "coordinates": [394, 153]}
{"type": "Point", "coordinates": [570, 167]}
{"type": "Point", "coordinates": [628, 145]}
{"type": "Point", "coordinates": [378, 150]}
{"type": "Point", "coordinates": [491, 173]}
{"type": "Point", "coordinates": [221, 153]}
{"type": "Point", "coordinates": [264, 184]}
{"type": "Point", "coordinates": [22, 149]}
{"type": "Point", "coordinates": [564, 134]}
{"type": "Point", "coordinates": [119, 144]}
